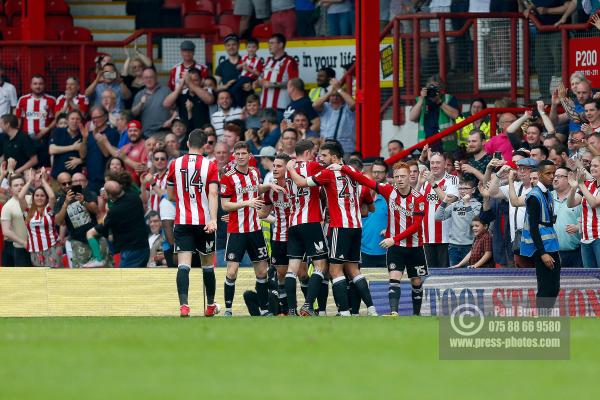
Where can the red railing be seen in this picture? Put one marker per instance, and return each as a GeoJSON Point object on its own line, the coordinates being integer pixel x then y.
{"type": "Point", "coordinates": [409, 44]}
{"type": "Point", "coordinates": [491, 112]}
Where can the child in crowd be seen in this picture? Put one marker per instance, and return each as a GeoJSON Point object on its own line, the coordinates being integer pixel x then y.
{"type": "Point", "coordinates": [252, 65]}
{"type": "Point", "coordinates": [461, 214]}
{"type": "Point", "coordinates": [481, 255]}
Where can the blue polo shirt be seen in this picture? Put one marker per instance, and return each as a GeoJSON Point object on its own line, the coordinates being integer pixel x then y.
{"type": "Point", "coordinates": [566, 216]}
{"type": "Point", "coordinates": [373, 224]}
{"type": "Point", "coordinates": [95, 160]}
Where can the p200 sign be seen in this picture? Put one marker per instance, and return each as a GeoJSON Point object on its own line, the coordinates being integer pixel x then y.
{"type": "Point", "coordinates": [584, 56]}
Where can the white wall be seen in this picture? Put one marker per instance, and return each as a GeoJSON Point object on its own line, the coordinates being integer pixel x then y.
{"type": "Point", "coordinates": [407, 133]}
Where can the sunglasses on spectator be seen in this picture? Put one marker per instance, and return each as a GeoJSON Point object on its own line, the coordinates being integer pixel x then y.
{"type": "Point", "coordinates": [65, 183]}
{"type": "Point", "coordinates": [160, 159]}
{"type": "Point", "coordinates": [210, 142]}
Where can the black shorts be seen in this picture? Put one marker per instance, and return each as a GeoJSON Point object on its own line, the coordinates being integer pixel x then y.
{"type": "Point", "coordinates": [193, 238]}
{"type": "Point", "coordinates": [344, 245]}
{"type": "Point", "coordinates": [307, 240]}
{"type": "Point", "coordinates": [410, 258]}
{"type": "Point", "coordinates": [279, 253]}
{"type": "Point", "coordinates": [240, 243]}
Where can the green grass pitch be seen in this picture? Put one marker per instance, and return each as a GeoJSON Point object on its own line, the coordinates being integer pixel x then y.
{"type": "Point", "coordinates": [271, 358]}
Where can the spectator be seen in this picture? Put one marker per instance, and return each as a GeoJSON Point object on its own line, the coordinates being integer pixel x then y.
{"type": "Point", "coordinates": [179, 132]}
{"type": "Point", "coordinates": [210, 84]}
{"type": "Point", "coordinates": [191, 100]}
{"type": "Point", "coordinates": [592, 114]}
{"type": "Point", "coordinates": [8, 95]}
{"type": "Point", "coordinates": [226, 112]}
{"type": "Point", "coordinates": [574, 109]}
{"type": "Point", "coordinates": [300, 122]}
{"type": "Point", "coordinates": [228, 72]}
{"type": "Point", "coordinates": [155, 241]}
{"type": "Point", "coordinates": [231, 135]}
{"type": "Point", "coordinates": [253, 139]}
{"type": "Point", "coordinates": [547, 51]}
{"type": "Point", "coordinates": [340, 17]}
{"type": "Point", "coordinates": [481, 253]}
{"type": "Point", "coordinates": [78, 208]}
{"type": "Point", "coordinates": [14, 231]}
{"type": "Point", "coordinates": [394, 147]}
{"type": "Point", "coordinates": [133, 67]}
{"type": "Point", "coordinates": [460, 214]}
{"type": "Point", "coordinates": [567, 220]}
{"type": "Point", "coordinates": [252, 65]}
{"type": "Point", "coordinates": [65, 145]}
{"type": "Point", "coordinates": [324, 77]}
{"type": "Point", "coordinates": [42, 238]}
{"type": "Point", "coordinates": [413, 173]}
{"type": "Point", "coordinates": [338, 120]}
{"type": "Point", "coordinates": [222, 156]}
{"type": "Point", "coordinates": [269, 131]}
{"type": "Point", "coordinates": [576, 143]}
{"type": "Point", "coordinates": [503, 143]}
{"type": "Point", "coordinates": [134, 154]}
{"type": "Point", "coordinates": [305, 18]}
{"type": "Point", "coordinates": [267, 157]}
{"type": "Point", "coordinates": [482, 124]}
{"type": "Point", "coordinates": [539, 153]}
{"type": "Point", "coordinates": [260, 9]}
{"type": "Point", "coordinates": [187, 49]}
{"type": "Point", "coordinates": [551, 141]}
{"type": "Point", "coordinates": [253, 112]}
{"type": "Point", "coordinates": [36, 112]}
{"type": "Point", "coordinates": [283, 17]}
{"type": "Point", "coordinates": [209, 147]}
{"type": "Point", "coordinates": [72, 99]}
{"type": "Point", "coordinates": [125, 117]}
{"type": "Point", "coordinates": [279, 69]}
{"type": "Point", "coordinates": [300, 102]}
{"type": "Point", "coordinates": [167, 217]}
{"type": "Point", "coordinates": [95, 155]}
{"type": "Point", "coordinates": [478, 159]}
{"type": "Point", "coordinates": [108, 78]}
{"type": "Point", "coordinates": [372, 255]}
{"type": "Point", "coordinates": [125, 219]}
{"type": "Point", "coordinates": [435, 111]}
{"type": "Point", "coordinates": [109, 102]}
{"type": "Point", "coordinates": [16, 146]}
{"type": "Point", "coordinates": [148, 104]}
{"type": "Point", "coordinates": [155, 183]}
{"type": "Point", "coordinates": [289, 138]}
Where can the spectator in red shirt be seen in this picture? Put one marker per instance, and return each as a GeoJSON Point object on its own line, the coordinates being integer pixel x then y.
{"type": "Point", "coordinates": [134, 154]}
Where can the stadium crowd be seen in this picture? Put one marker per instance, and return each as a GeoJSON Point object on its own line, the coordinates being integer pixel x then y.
{"type": "Point", "coordinates": [85, 176]}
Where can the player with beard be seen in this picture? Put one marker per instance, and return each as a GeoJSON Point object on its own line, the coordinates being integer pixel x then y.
{"type": "Point", "coordinates": [343, 203]}
{"type": "Point", "coordinates": [403, 241]}
{"type": "Point", "coordinates": [305, 235]}
{"type": "Point", "coordinates": [279, 204]}
{"type": "Point", "coordinates": [240, 197]}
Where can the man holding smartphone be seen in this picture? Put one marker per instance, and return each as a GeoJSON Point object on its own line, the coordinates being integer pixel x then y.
{"type": "Point", "coordinates": [108, 78]}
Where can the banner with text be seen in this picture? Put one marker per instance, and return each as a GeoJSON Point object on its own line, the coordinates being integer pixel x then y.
{"type": "Point", "coordinates": [313, 55]}
{"type": "Point", "coordinates": [584, 57]}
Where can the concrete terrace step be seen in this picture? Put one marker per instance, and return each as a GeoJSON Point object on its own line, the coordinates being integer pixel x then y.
{"type": "Point", "coordinates": [105, 22]}
{"type": "Point", "coordinates": [111, 34]}
{"type": "Point", "coordinates": [97, 8]}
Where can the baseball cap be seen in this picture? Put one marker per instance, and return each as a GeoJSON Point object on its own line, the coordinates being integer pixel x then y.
{"type": "Point", "coordinates": [134, 124]}
{"type": "Point", "coordinates": [528, 162]}
{"type": "Point", "coordinates": [268, 151]}
{"type": "Point", "coordinates": [231, 36]}
{"type": "Point", "coordinates": [187, 45]}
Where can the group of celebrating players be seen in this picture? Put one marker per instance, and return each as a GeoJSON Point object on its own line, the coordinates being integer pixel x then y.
{"type": "Point", "coordinates": [304, 231]}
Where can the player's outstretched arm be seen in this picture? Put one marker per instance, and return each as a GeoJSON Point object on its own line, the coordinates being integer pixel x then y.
{"type": "Point", "coordinates": [298, 179]}
{"type": "Point", "coordinates": [360, 178]}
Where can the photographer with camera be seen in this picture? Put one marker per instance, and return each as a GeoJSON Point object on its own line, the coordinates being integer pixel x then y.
{"type": "Point", "coordinates": [435, 111]}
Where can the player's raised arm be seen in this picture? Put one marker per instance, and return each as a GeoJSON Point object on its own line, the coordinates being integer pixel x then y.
{"type": "Point", "coordinates": [355, 176]}
{"type": "Point", "coordinates": [298, 179]}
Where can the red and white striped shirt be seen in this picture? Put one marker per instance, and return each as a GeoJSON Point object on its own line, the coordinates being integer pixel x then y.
{"type": "Point", "coordinates": [281, 207]}
{"type": "Point", "coordinates": [590, 223]}
{"type": "Point", "coordinates": [278, 71]}
{"type": "Point", "coordinates": [343, 198]}
{"type": "Point", "coordinates": [305, 202]}
{"type": "Point", "coordinates": [83, 104]}
{"type": "Point", "coordinates": [36, 113]}
{"type": "Point", "coordinates": [177, 71]}
{"type": "Point", "coordinates": [239, 187]}
{"type": "Point", "coordinates": [190, 176]}
{"type": "Point", "coordinates": [161, 183]}
{"type": "Point", "coordinates": [256, 63]}
{"type": "Point", "coordinates": [437, 231]}
{"type": "Point", "coordinates": [41, 231]}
